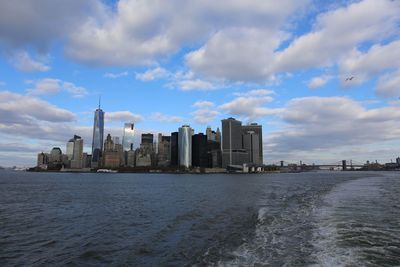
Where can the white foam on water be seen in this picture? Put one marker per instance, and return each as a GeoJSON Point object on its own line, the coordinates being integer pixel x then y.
{"type": "Point", "coordinates": [246, 254]}
{"type": "Point", "coordinates": [326, 236]}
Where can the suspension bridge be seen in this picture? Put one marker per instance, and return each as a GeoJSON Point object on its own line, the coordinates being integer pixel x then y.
{"type": "Point", "coordinates": [343, 164]}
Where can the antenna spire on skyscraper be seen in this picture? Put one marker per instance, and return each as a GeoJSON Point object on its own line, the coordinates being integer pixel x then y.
{"type": "Point", "coordinates": [99, 101]}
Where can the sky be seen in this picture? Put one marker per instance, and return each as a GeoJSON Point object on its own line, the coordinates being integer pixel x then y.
{"type": "Point", "coordinates": [321, 77]}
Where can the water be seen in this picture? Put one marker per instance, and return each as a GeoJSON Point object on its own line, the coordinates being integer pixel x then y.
{"type": "Point", "coordinates": [306, 219]}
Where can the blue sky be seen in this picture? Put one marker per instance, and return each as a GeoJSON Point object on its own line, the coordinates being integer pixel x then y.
{"type": "Point", "coordinates": [161, 64]}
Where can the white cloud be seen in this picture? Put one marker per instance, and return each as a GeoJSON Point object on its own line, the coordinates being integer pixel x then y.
{"type": "Point", "coordinates": [24, 62]}
{"type": "Point", "coordinates": [45, 87]}
{"type": "Point", "coordinates": [185, 81]}
{"type": "Point", "coordinates": [123, 116]}
{"type": "Point", "coordinates": [153, 74]}
{"type": "Point", "coordinates": [195, 84]}
{"type": "Point", "coordinates": [20, 109]}
{"type": "Point", "coordinates": [204, 116]}
{"type": "Point", "coordinates": [36, 24]}
{"type": "Point", "coordinates": [389, 85]}
{"type": "Point", "coordinates": [160, 117]}
{"type": "Point", "coordinates": [365, 65]}
{"type": "Point", "coordinates": [146, 29]}
{"type": "Point", "coordinates": [237, 54]}
{"type": "Point", "coordinates": [75, 91]}
{"type": "Point", "coordinates": [319, 81]}
{"type": "Point", "coordinates": [116, 75]}
{"type": "Point", "coordinates": [205, 112]}
{"type": "Point", "coordinates": [250, 105]}
{"type": "Point", "coordinates": [255, 93]}
{"type": "Point", "coordinates": [253, 54]}
{"type": "Point", "coordinates": [318, 125]}
{"type": "Point", "coordinates": [339, 31]}
{"type": "Point", "coordinates": [203, 104]}
{"type": "Point", "coordinates": [48, 86]}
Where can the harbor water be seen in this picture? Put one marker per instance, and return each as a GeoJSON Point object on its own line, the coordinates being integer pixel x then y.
{"type": "Point", "coordinates": [300, 219]}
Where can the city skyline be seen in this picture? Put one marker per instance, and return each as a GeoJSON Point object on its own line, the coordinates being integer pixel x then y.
{"type": "Point", "coordinates": [319, 97]}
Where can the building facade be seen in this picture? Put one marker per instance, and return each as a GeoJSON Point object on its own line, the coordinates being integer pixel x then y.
{"type": "Point", "coordinates": [251, 144]}
{"type": "Point", "coordinates": [199, 151]}
{"type": "Point", "coordinates": [76, 161]}
{"type": "Point", "coordinates": [174, 149]}
{"type": "Point", "coordinates": [185, 146]}
{"type": "Point", "coordinates": [233, 152]}
{"type": "Point", "coordinates": [255, 129]}
{"type": "Point", "coordinates": [111, 156]}
{"type": "Point", "coordinates": [164, 150]}
{"type": "Point", "coordinates": [98, 137]}
{"type": "Point", "coordinates": [128, 136]}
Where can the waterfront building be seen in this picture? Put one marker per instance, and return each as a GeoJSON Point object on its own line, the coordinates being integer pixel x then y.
{"type": "Point", "coordinates": [86, 160]}
{"type": "Point", "coordinates": [218, 136]}
{"type": "Point", "coordinates": [174, 149]}
{"type": "Point", "coordinates": [147, 138]}
{"type": "Point", "coordinates": [116, 140]}
{"type": "Point", "coordinates": [55, 155]}
{"type": "Point", "coordinates": [70, 149]}
{"type": "Point", "coordinates": [128, 137]}
{"type": "Point", "coordinates": [233, 152]}
{"type": "Point", "coordinates": [42, 160]}
{"type": "Point", "coordinates": [214, 154]}
{"type": "Point", "coordinates": [164, 153]}
{"type": "Point", "coordinates": [111, 156]}
{"type": "Point", "coordinates": [143, 158]}
{"type": "Point", "coordinates": [119, 149]}
{"type": "Point", "coordinates": [185, 146]}
{"type": "Point", "coordinates": [209, 133]}
{"type": "Point", "coordinates": [145, 155]}
{"type": "Point", "coordinates": [76, 162]}
{"type": "Point", "coordinates": [199, 150]}
{"type": "Point", "coordinates": [256, 129]}
{"type": "Point", "coordinates": [131, 157]}
{"type": "Point", "coordinates": [98, 135]}
{"type": "Point", "coordinates": [251, 144]}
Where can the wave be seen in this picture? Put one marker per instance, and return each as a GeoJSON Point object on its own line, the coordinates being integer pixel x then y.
{"type": "Point", "coordinates": [354, 226]}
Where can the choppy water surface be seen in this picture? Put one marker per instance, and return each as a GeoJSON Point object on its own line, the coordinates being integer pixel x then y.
{"type": "Point", "coordinates": [306, 219]}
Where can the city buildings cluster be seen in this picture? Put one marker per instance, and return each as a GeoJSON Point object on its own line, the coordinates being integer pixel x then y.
{"type": "Point", "coordinates": [236, 147]}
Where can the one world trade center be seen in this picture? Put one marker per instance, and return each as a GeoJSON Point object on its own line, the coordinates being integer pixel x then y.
{"type": "Point", "coordinates": [98, 134]}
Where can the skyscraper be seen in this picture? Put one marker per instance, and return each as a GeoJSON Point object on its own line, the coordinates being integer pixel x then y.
{"type": "Point", "coordinates": [98, 136]}
{"type": "Point", "coordinates": [174, 149]}
{"type": "Point", "coordinates": [111, 157]}
{"type": "Point", "coordinates": [199, 150]}
{"type": "Point", "coordinates": [233, 152]}
{"type": "Point", "coordinates": [255, 129]}
{"type": "Point", "coordinates": [147, 138]}
{"type": "Point", "coordinates": [164, 150]}
{"type": "Point", "coordinates": [209, 133]}
{"type": "Point", "coordinates": [145, 154]}
{"type": "Point", "coordinates": [218, 136]}
{"type": "Point", "coordinates": [185, 146]}
{"type": "Point", "coordinates": [128, 137]}
{"type": "Point", "coordinates": [77, 152]}
{"type": "Point", "coordinates": [251, 144]}
{"type": "Point", "coordinates": [70, 149]}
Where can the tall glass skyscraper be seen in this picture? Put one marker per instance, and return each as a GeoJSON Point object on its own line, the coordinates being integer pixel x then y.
{"type": "Point", "coordinates": [127, 139]}
{"type": "Point", "coordinates": [98, 136]}
{"type": "Point", "coordinates": [185, 146]}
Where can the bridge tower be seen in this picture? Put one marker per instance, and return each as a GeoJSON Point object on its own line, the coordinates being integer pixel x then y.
{"type": "Point", "coordinates": [344, 165]}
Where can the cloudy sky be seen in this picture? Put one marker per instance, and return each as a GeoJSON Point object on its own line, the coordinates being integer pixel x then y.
{"type": "Point", "coordinates": [322, 77]}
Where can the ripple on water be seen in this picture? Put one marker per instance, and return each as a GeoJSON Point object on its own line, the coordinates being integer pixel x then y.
{"type": "Point", "coordinates": [354, 227]}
